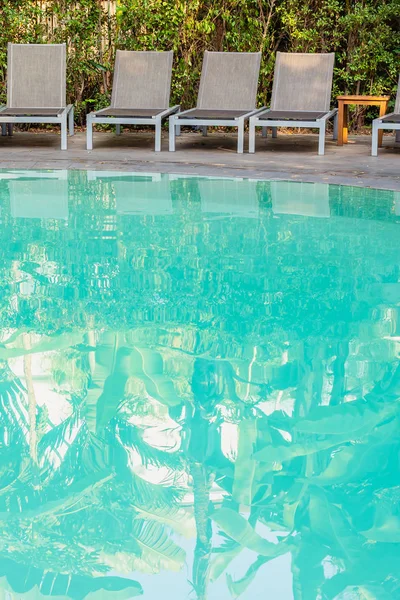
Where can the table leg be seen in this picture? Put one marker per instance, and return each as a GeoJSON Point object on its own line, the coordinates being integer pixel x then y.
{"type": "Point", "coordinates": [340, 124]}
{"type": "Point", "coordinates": [382, 113]}
{"type": "Point", "coordinates": [345, 122]}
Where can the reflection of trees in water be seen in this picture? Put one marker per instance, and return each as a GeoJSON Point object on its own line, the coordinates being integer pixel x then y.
{"type": "Point", "coordinates": [293, 348]}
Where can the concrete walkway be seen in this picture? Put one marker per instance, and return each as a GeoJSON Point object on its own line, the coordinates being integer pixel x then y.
{"type": "Point", "coordinates": [288, 157]}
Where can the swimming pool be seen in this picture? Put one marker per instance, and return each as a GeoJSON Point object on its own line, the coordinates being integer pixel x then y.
{"type": "Point", "coordinates": [200, 388]}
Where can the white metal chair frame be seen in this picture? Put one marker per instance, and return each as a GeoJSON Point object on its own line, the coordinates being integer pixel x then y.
{"type": "Point", "coordinates": [384, 123]}
{"type": "Point", "coordinates": [155, 121]}
{"type": "Point", "coordinates": [65, 119]}
{"type": "Point", "coordinates": [319, 124]}
{"type": "Point", "coordinates": [239, 122]}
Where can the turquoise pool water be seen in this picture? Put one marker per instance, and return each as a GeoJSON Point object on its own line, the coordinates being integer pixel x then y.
{"type": "Point", "coordinates": [199, 393]}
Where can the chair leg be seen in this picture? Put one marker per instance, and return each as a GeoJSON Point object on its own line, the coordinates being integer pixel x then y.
{"type": "Point", "coordinates": [240, 144]}
{"type": "Point", "coordinates": [172, 132]}
{"type": "Point", "coordinates": [264, 132]}
{"type": "Point", "coordinates": [252, 136]}
{"type": "Point", "coordinates": [321, 139]}
{"type": "Point", "coordinates": [374, 149]}
{"type": "Point", "coordinates": [89, 133]}
{"type": "Point", "coordinates": [157, 147]}
{"type": "Point", "coordinates": [4, 128]}
{"type": "Point", "coordinates": [274, 132]}
{"type": "Point", "coordinates": [178, 130]}
{"type": "Point", "coordinates": [204, 130]}
{"type": "Point", "coordinates": [118, 129]}
{"type": "Point", "coordinates": [397, 136]}
{"type": "Point", "coordinates": [64, 133]}
{"type": "Point", "coordinates": [71, 122]}
{"type": "Point", "coordinates": [335, 126]}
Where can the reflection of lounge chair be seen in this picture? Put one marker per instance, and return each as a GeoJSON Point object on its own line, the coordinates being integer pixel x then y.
{"type": "Point", "coordinates": [396, 203]}
{"type": "Point", "coordinates": [390, 121]}
{"type": "Point", "coordinates": [227, 94]}
{"type": "Point", "coordinates": [226, 197]}
{"type": "Point", "coordinates": [122, 175]}
{"type": "Point", "coordinates": [143, 197]}
{"type": "Point", "coordinates": [39, 199]}
{"type": "Point", "coordinates": [36, 80]}
{"type": "Point", "coordinates": [306, 199]}
{"type": "Point", "coordinates": [32, 174]}
{"type": "Point", "coordinates": [140, 95]}
{"type": "Point", "coordinates": [301, 95]}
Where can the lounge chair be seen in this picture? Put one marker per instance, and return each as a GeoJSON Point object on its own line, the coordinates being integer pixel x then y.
{"type": "Point", "coordinates": [390, 121]}
{"type": "Point", "coordinates": [140, 94]}
{"type": "Point", "coordinates": [36, 81]}
{"type": "Point", "coordinates": [227, 94]}
{"type": "Point", "coordinates": [301, 96]}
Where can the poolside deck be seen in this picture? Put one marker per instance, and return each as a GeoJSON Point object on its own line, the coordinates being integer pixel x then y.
{"type": "Point", "coordinates": [288, 157]}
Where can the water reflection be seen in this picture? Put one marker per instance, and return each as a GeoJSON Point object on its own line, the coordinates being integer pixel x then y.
{"type": "Point", "coordinates": [199, 387]}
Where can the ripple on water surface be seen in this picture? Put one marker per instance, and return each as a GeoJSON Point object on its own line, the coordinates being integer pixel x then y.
{"type": "Point", "coordinates": [199, 388]}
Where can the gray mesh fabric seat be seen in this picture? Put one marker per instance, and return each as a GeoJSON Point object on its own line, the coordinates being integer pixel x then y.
{"type": "Point", "coordinates": [390, 121]}
{"type": "Point", "coordinates": [36, 81]}
{"type": "Point", "coordinates": [227, 94]}
{"type": "Point", "coordinates": [140, 94]}
{"type": "Point", "coordinates": [301, 96]}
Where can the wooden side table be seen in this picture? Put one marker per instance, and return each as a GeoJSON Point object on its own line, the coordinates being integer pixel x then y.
{"type": "Point", "coordinates": [343, 114]}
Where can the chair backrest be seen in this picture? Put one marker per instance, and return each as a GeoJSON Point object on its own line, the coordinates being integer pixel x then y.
{"type": "Point", "coordinates": [142, 79]}
{"type": "Point", "coordinates": [397, 104]}
{"type": "Point", "coordinates": [36, 76]}
{"type": "Point", "coordinates": [302, 81]}
{"type": "Point", "coordinates": [229, 80]}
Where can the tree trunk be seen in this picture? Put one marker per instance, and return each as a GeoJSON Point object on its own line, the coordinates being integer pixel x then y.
{"type": "Point", "coordinates": [32, 406]}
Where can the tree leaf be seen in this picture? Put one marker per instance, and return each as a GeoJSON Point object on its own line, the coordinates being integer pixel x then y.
{"type": "Point", "coordinates": [365, 592]}
{"type": "Point", "coordinates": [178, 519]}
{"type": "Point", "coordinates": [222, 559]}
{"type": "Point", "coordinates": [37, 583]}
{"type": "Point", "coordinates": [328, 522]}
{"type": "Point", "coordinates": [237, 588]}
{"type": "Point", "coordinates": [148, 365]}
{"type": "Point", "coordinates": [272, 457]}
{"type": "Point", "coordinates": [346, 418]}
{"type": "Point", "coordinates": [242, 532]}
{"type": "Point", "coordinates": [291, 503]}
{"type": "Point", "coordinates": [157, 548]}
{"type": "Point", "coordinates": [46, 344]}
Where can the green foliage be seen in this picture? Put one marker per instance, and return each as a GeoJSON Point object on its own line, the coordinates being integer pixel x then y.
{"type": "Point", "coordinates": [365, 35]}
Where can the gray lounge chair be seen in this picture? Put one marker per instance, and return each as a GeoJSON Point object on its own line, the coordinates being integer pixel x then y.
{"type": "Point", "coordinates": [227, 94]}
{"type": "Point", "coordinates": [140, 94]}
{"type": "Point", "coordinates": [301, 96]}
{"type": "Point", "coordinates": [36, 81]}
{"type": "Point", "coordinates": [390, 121]}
